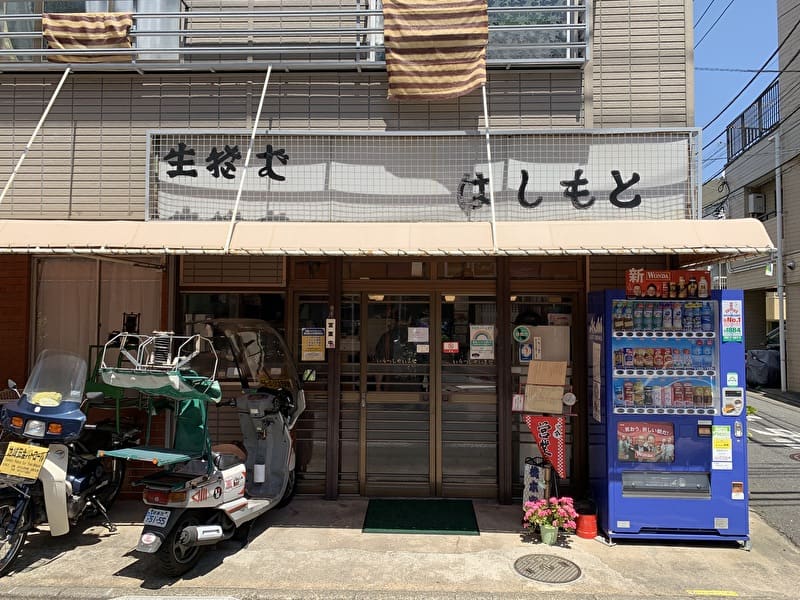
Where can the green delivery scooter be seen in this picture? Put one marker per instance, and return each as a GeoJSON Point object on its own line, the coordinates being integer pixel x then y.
{"type": "Point", "coordinates": [205, 493]}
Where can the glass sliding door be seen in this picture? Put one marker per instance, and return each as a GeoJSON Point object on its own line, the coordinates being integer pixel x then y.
{"type": "Point", "coordinates": [467, 411]}
{"type": "Point", "coordinates": [395, 397]}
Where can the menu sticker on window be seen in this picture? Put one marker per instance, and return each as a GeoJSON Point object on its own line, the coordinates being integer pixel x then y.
{"type": "Point", "coordinates": [312, 344]}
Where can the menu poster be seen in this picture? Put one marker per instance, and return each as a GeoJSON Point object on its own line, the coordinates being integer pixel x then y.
{"type": "Point", "coordinates": [640, 441]}
{"type": "Point", "coordinates": [312, 344]}
{"type": "Point", "coordinates": [675, 284]}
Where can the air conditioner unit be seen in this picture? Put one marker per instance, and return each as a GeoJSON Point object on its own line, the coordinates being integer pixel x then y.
{"type": "Point", "coordinates": [756, 204]}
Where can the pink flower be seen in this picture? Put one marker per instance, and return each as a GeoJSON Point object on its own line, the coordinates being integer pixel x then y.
{"type": "Point", "coordinates": [558, 512]}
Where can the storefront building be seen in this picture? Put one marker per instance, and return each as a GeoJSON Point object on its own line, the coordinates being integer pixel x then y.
{"type": "Point", "coordinates": [264, 174]}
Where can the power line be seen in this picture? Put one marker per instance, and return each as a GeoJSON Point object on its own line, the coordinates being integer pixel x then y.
{"type": "Point", "coordinates": [714, 23]}
{"type": "Point", "coordinates": [784, 119]}
{"type": "Point", "coordinates": [749, 83]}
{"type": "Point", "coordinates": [746, 70]}
{"type": "Point", "coordinates": [791, 60]}
{"type": "Point", "coordinates": [788, 10]}
{"type": "Point", "coordinates": [710, 4]}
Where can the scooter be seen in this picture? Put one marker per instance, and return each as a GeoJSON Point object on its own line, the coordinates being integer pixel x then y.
{"type": "Point", "coordinates": [50, 472]}
{"type": "Point", "coordinates": [206, 494]}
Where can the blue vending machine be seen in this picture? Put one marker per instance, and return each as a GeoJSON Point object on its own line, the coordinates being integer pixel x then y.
{"type": "Point", "coordinates": [668, 436]}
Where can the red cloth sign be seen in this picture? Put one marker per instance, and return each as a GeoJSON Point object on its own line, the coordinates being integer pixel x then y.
{"type": "Point", "coordinates": [550, 435]}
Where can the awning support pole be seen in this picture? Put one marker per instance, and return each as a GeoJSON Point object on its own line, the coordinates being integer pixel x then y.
{"type": "Point", "coordinates": [491, 176]}
{"type": "Point", "coordinates": [29, 145]}
{"type": "Point", "coordinates": [247, 160]}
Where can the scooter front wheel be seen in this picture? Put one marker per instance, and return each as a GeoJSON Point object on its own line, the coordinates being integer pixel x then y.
{"type": "Point", "coordinates": [177, 557]}
{"type": "Point", "coordinates": [11, 543]}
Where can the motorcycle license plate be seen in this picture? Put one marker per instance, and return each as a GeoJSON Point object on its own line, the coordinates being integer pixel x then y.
{"type": "Point", "coordinates": [156, 517]}
{"type": "Point", "coordinates": [23, 460]}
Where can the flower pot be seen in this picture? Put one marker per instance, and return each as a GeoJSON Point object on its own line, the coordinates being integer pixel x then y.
{"type": "Point", "coordinates": [549, 534]}
{"type": "Point", "coordinates": [587, 526]}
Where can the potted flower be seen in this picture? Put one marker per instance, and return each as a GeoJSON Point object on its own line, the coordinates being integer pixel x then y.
{"type": "Point", "coordinates": [550, 515]}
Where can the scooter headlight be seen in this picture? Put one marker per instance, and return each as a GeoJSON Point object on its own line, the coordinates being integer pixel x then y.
{"type": "Point", "coordinates": [34, 428]}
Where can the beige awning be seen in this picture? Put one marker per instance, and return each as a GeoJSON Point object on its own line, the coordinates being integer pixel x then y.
{"type": "Point", "coordinates": [697, 240]}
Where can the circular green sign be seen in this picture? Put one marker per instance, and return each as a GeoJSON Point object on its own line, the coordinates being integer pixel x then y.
{"type": "Point", "coordinates": [521, 333]}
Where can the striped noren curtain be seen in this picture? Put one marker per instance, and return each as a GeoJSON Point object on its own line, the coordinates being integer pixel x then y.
{"type": "Point", "coordinates": [87, 31]}
{"type": "Point", "coordinates": [435, 49]}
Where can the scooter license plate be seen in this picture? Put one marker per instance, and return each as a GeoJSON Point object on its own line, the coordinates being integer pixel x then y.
{"type": "Point", "coordinates": [23, 460]}
{"type": "Point", "coordinates": [156, 517]}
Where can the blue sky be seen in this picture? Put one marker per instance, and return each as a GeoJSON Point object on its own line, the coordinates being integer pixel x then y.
{"type": "Point", "coordinates": [743, 38]}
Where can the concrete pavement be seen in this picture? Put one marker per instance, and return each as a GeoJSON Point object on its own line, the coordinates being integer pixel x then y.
{"type": "Point", "coordinates": [315, 549]}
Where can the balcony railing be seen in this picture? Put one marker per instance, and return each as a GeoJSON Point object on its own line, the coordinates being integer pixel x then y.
{"type": "Point", "coordinates": [208, 35]}
{"type": "Point", "coordinates": [758, 119]}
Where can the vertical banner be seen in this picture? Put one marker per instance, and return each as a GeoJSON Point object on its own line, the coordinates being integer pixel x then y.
{"type": "Point", "coordinates": [550, 434]}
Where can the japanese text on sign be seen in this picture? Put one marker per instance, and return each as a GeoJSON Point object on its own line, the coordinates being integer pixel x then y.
{"type": "Point", "coordinates": [732, 321]}
{"type": "Point", "coordinates": [22, 460]}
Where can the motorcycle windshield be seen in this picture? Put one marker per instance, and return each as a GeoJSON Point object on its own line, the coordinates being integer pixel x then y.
{"type": "Point", "coordinates": [258, 351]}
{"type": "Point", "coordinates": [57, 377]}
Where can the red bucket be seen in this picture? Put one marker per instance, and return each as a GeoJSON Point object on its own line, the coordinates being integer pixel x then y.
{"type": "Point", "coordinates": [587, 526]}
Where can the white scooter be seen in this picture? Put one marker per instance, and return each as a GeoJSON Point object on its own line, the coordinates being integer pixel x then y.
{"type": "Point", "coordinates": [206, 493]}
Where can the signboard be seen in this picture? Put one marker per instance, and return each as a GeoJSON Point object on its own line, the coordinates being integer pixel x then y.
{"type": "Point", "coordinates": [23, 460]}
{"type": "Point", "coordinates": [450, 347]}
{"type": "Point", "coordinates": [550, 434]}
{"type": "Point", "coordinates": [349, 176]}
{"type": "Point", "coordinates": [521, 333]}
{"type": "Point", "coordinates": [673, 285]}
{"type": "Point", "coordinates": [481, 342]}
{"type": "Point", "coordinates": [732, 321]}
{"type": "Point", "coordinates": [312, 344]}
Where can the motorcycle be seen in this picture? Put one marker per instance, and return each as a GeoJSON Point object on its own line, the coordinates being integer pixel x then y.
{"type": "Point", "coordinates": [50, 472]}
{"type": "Point", "coordinates": [206, 494]}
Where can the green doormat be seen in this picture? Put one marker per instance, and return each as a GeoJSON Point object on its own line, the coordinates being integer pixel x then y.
{"type": "Point", "coordinates": [448, 517]}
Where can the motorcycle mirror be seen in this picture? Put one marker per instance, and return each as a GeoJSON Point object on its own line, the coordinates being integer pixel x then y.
{"type": "Point", "coordinates": [309, 375]}
{"type": "Point", "coordinates": [12, 385]}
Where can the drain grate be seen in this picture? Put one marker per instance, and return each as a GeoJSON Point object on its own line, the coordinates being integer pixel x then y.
{"type": "Point", "coordinates": [547, 569]}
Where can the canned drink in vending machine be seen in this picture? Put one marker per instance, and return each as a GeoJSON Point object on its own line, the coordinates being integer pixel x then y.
{"type": "Point", "coordinates": [657, 401]}
{"type": "Point", "coordinates": [666, 396]}
{"type": "Point", "coordinates": [627, 392]}
{"type": "Point", "coordinates": [619, 394]}
{"type": "Point", "coordinates": [677, 316]}
{"type": "Point", "coordinates": [666, 316]}
{"type": "Point", "coordinates": [688, 394]}
{"type": "Point", "coordinates": [677, 394]}
{"type": "Point", "coordinates": [658, 358]}
{"type": "Point", "coordinates": [627, 358]}
{"type": "Point", "coordinates": [638, 393]}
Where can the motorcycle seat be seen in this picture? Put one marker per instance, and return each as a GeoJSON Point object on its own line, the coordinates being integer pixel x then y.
{"type": "Point", "coordinates": [227, 455]}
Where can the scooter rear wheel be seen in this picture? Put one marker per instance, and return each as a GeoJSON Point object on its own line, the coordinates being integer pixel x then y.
{"type": "Point", "coordinates": [10, 545]}
{"type": "Point", "coordinates": [176, 557]}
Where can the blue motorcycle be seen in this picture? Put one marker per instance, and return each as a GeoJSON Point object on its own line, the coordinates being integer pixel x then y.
{"type": "Point", "coordinates": [50, 472]}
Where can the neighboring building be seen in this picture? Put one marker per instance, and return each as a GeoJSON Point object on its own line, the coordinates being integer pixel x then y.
{"type": "Point", "coordinates": [749, 190]}
{"type": "Point", "coordinates": [378, 212]}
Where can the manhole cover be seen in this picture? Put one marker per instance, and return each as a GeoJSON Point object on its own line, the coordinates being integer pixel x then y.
{"type": "Point", "coordinates": [795, 456]}
{"type": "Point", "coordinates": [547, 569]}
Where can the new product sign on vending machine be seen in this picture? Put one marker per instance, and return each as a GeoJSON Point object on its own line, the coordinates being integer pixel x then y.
{"type": "Point", "coordinates": [668, 444]}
